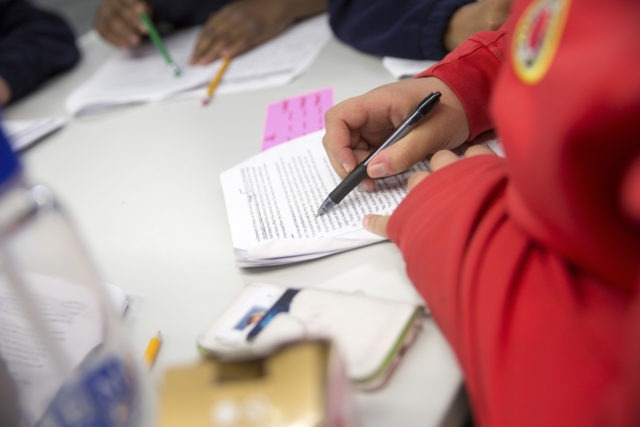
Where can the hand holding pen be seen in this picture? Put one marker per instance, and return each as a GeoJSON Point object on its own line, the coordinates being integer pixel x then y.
{"type": "Point", "coordinates": [357, 175]}
{"type": "Point", "coordinates": [357, 126]}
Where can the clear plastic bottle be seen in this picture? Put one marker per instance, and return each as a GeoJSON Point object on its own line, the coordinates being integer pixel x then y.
{"type": "Point", "coordinates": [61, 338]}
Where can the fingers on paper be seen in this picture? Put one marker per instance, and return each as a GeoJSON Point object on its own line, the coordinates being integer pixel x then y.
{"type": "Point", "coordinates": [376, 224]}
{"type": "Point", "coordinates": [229, 32]}
{"type": "Point", "coordinates": [210, 44]}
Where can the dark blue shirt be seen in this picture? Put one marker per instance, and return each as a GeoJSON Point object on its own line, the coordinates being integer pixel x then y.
{"type": "Point", "coordinates": [402, 28]}
{"type": "Point", "coordinates": [34, 45]}
{"type": "Point", "coordinates": [184, 13]}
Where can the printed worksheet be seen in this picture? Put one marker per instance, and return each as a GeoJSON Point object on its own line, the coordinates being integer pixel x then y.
{"type": "Point", "coordinates": [141, 75]}
{"type": "Point", "coordinates": [23, 133]}
{"type": "Point", "coordinates": [272, 200]}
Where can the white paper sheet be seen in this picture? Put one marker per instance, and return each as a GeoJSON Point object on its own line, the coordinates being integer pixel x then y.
{"type": "Point", "coordinates": [401, 68]}
{"type": "Point", "coordinates": [141, 75]}
{"type": "Point", "coordinates": [272, 200]}
{"type": "Point", "coordinates": [23, 133]}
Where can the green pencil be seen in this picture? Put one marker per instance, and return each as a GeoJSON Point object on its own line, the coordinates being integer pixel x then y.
{"type": "Point", "coordinates": [157, 41]}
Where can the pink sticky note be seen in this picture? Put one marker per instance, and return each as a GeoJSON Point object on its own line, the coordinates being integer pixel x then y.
{"type": "Point", "coordinates": [297, 116]}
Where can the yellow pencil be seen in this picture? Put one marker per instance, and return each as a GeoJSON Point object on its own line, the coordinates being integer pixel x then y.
{"type": "Point", "coordinates": [151, 353]}
{"type": "Point", "coordinates": [216, 80]}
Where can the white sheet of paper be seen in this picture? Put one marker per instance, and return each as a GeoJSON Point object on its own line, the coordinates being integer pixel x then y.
{"type": "Point", "coordinates": [141, 75]}
{"type": "Point", "coordinates": [272, 200]}
{"type": "Point", "coordinates": [23, 133]}
{"type": "Point", "coordinates": [401, 68]}
{"type": "Point", "coordinates": [72, 315]}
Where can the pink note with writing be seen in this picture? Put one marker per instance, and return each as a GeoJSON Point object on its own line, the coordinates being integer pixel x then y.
{"type": "Point", "coordinates": [296, 116]}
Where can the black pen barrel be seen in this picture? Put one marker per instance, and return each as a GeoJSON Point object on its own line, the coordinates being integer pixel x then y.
{"type": "Point", "coordinates": [349, 183]}
{"type": "Point", "coordinates": [360, 172]}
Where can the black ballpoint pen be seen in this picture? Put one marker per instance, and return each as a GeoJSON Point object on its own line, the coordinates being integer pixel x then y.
{"type": "Point", "coordinates": [357, 175]}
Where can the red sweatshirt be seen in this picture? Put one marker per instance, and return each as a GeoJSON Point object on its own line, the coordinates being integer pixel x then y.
{"type": "Point", "coordinates": [530, 264]}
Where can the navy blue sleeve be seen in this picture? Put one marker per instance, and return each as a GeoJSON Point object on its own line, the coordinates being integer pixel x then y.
{"type": "Point", "coordinates": [34, 45]}
{"type": "Point", "coordinates": [410, 29]}
{"type": "Point", "coordinates": [184, 13]}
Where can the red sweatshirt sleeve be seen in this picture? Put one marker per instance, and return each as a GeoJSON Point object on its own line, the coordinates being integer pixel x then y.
{"type": "Point", "coordinates": [471, 71]}
{"type": "Point", "coordinates": [529, 263]}
{"type": "Point", "coordinates": [523, 323]}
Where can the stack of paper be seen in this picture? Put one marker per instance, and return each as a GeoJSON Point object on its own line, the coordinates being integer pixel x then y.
{"type": "Point", "coordinates": [24, 133]}
{"type": "Point", "coordinates": [273, 197]}
{"type": "Point", "coordinates": [141, 75]}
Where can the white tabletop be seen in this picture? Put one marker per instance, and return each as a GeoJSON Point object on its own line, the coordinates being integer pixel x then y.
{"type": "Point", "coordinates": [142, 184]}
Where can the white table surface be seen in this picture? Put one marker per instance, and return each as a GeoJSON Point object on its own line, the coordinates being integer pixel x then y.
{"type": "Point", "coordinates": [142, 184]}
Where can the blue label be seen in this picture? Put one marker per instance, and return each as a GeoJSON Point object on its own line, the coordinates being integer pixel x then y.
{"type": "Point", "coordinates": [104, 395]}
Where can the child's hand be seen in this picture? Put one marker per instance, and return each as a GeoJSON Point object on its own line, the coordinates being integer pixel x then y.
{"type": "Point", "coordinates": [481, 15]}
{"type": "Point", "coordinates": [118, 22]}
{"type": "Point", "coordinates": [243, 24]}
{"type": "Point", "coordinates": [358, 125]}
